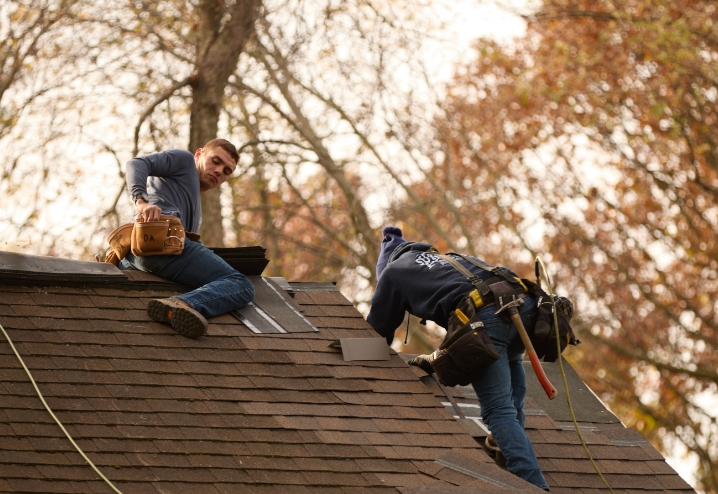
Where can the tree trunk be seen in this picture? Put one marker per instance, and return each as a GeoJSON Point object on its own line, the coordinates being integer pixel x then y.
{"type": "Point", "coordinates": [218, 50]}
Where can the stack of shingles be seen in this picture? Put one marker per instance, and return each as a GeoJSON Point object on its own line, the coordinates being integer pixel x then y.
{"type": "Point", "coordinates": [628, 462]}
{"type": "Point", "coordinates": [230, 412]}
{"type": "Point", "coordinates": [247, 260]}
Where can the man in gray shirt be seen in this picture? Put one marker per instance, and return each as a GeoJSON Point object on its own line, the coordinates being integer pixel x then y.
{"type": "Point", "coordinates": [170, 183]}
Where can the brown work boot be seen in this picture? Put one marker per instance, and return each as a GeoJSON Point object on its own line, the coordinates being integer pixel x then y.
{"type": "Point", "coordinates": [183, 319]}
{"type": "Point", "coordinates": [491, 445]}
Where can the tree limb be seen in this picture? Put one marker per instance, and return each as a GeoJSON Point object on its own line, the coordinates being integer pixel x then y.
{"type": "Point", "coordinates": [164, 95]}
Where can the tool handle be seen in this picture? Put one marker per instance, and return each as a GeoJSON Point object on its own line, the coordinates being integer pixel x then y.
{"type": "Point", "coordinates": [535, 363]}
{"type": "Point", "coordinates": [541, 375]}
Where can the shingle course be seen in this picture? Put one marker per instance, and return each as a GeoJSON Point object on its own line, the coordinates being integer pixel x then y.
{"type": "Point", "coordinates": [115, 302]}
{"type": "Point", "coordinates": [6, 310]}
{"type": "Point", "coordinates": [311, 310]}
{"type": "Point", "coordinates": [19, 297]}
{"type": "Point", "coordinates": [342, 322]}
{"type": "Point", "coordinates": [672, 482]}
{"type": "Point", "coordinates": [633, 481]}
{"type": "Point", "coordinates": [94, 313]}
{"type": "Point", "coordinates": [165, 487]}
{"type": "Point", "coordinates": [262, 342]}
{"type": "Point", "coordinates": [30, 484]}
{"type": "Point", "coordinates": [49, 323]}
{"type": "Point", "coordinates": [327, 298]}
{"type": "Point", "coordinates": [346, 384]}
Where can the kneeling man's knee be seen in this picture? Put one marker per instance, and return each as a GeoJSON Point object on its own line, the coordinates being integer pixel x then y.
{"type": "Point", "coordinates": [249, 289]}
{"type": "Point", "coordinates": [243, 288]}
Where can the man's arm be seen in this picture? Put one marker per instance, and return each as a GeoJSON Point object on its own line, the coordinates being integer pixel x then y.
{"type": "Point", "coordinates": [388, 306]}
{"type": "Point", "coordinates": [139, 169]}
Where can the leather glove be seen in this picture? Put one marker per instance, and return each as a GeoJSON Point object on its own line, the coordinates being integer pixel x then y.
{"type": "Point", "coordinates": [425, 362]}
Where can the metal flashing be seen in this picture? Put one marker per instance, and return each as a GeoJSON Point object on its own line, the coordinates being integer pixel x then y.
{"type": "Point", "coordinates": [283, 284]}
{"type": "Point", "coordinates": [257, 320]}
{"type": "Point", "coordinates": [314, 287]}
{"type": "Point", "coordinates": [272, 310]}
{"type": "Point", "coordinates": [364, 349]}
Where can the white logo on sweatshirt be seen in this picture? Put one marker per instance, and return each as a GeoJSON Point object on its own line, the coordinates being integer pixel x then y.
{"type": "Point", "coordinates": [429, 260]}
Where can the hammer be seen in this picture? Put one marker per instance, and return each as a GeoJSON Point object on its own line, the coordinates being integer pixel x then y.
{"type": "Point", "coordinates": [512, 307]}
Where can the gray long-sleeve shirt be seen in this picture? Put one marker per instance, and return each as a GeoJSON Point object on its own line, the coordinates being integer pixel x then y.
{"type": "Point", "coordinates": [173, 184]}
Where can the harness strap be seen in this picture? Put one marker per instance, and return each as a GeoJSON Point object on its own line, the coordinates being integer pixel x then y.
{"type": "Point", "coordinates": [476, 262]}
{"type": "Point", "coordinates": [488, 267]}
{"type": "Point", "coordinates": [475, 280]}
{"type": "Point", "coordinates": [481, 285]}
{"type": "Point", "coordinates": [461, 269]}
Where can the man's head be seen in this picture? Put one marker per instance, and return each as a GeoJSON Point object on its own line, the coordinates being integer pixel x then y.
{"type": "Point", "coordinates": [215, 162]}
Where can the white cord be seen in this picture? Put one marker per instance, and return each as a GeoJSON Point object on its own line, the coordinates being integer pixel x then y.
{"type": "Point", "coordinates": [53, 415]}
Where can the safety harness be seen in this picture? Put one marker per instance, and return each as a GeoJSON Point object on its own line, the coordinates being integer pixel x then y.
{"type": "Point", "coordinates": [483, 294]}
{"type": "Point", "coordinates": [467, 349]}
{"type": "Point", "coordinates": [486, 293]}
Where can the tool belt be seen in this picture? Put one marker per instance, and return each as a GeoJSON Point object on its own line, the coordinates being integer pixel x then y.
{"type": "Point", "coordinates": [165, 237]}
{"type": "Point", "coordinates": [467, 349]}
{"type": "Point", "coordinates": [503, 286]}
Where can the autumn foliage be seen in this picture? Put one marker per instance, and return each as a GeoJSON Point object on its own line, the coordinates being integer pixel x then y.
{"type": "Point", "coordinates": [593, 142]}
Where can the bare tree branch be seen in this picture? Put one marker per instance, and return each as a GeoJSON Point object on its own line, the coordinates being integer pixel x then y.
{"type": "Point", "coordinates": [165, 95]}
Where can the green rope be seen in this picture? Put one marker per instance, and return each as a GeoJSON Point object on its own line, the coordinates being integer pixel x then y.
{"type": "Point", "coordinates": [563, 373]}
{"type": "Point", "coordinates": [47, 407]}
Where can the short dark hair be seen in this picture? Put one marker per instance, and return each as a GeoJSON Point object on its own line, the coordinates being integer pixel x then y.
{"type": "Point", "coordinates": [226, 145]}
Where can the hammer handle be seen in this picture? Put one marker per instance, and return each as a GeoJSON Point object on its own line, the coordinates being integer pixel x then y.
{"type": "Point", "coordinates": [535, 363]}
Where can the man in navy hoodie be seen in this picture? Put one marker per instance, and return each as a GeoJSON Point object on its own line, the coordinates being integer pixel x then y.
{"type": "Point", "coordinates": [413, 279]}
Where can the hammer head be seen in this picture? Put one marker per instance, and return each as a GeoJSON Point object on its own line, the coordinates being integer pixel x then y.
{"type": "Point", "coordinates": [512, 307]}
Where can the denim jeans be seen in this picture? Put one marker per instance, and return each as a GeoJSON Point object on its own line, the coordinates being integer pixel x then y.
{"type": "Point", "coordinates": [501, 389]}
{"type": "Point", "coordinates": [217, 287]}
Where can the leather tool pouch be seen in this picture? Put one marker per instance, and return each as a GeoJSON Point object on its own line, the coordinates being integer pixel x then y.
{"type": "Point", "coordinates": [165, 237]}
{"type": "Point", "coordinates": [157, 238]}
{"type": "Point", "coordinates": [120, 240]}
{"type": "Point", "coordinates": [466, 351]}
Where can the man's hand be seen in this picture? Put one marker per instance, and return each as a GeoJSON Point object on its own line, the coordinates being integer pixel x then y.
{"type": "Point", "coordinates": [424, 361]}
{"type": "Point", "coordinates": [149, 212]}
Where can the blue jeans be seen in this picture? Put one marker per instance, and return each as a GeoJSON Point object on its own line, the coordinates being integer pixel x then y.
{"type": "Point", "coordinates": [501, 389]}
{"type": "Point", "coordinates": [218, 288]}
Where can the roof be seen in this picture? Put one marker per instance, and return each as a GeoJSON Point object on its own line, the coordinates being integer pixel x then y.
{"type": "Point", "coordinates": [628, 462]}
{"type": "Point", "coordinates": [237, 411]}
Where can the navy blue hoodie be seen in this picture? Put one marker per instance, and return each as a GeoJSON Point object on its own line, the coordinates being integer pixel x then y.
{"type": "Point", "coordinates": [419, 282]}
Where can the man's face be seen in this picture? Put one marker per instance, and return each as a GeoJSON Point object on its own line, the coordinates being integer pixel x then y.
{"type": "Point", "coordinates": [214, 166]}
